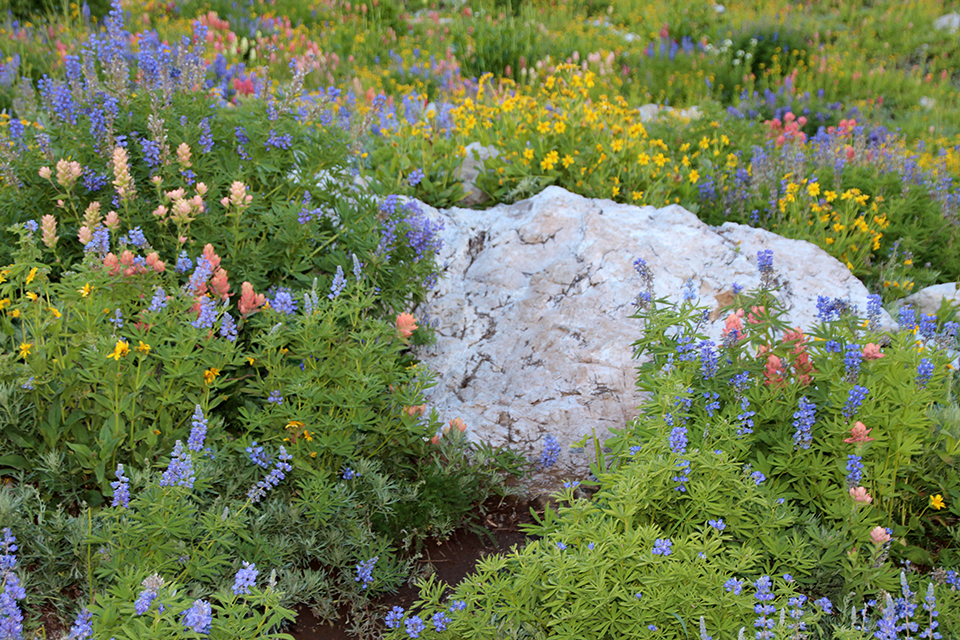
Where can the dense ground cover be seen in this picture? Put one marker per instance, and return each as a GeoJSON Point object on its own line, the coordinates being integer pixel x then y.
{"type": "Point", "coordinates": [210, 399]}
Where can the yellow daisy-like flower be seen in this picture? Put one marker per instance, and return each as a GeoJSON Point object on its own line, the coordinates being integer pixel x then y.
{"type": "Point", "coordinates": [32, 296]}
{"type": "Point", "coordinates": [528, 153]}
{"type": "Point", "coordinates": [25, 349]}
{"type": "Point", "coordinates": [121, 349]}
{"type": "Point", "coordinates": [250, 360]}
{"type": "Point", "coordinates": [143, 347]}
{"type": "Point", "coordinates": [31, 275]}
{"type": "Point", "coordinates": [937, 502]}
{"type": "Point", "coordinates": [56, 312]}
{"type": "Point", "coordinates": [694, 176]}
{"type": "Point", "coordinates": [567, 161]}
{"type": "Point", "coordinates": [210, 375]}
{"type": "Point", "coordinates": [85, 290]}
{"type": "Point", "coordinates": [3, 275]}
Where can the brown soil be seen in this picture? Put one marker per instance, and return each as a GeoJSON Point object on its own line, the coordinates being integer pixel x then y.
{"type": "Point", "coordinates": [451, 560]}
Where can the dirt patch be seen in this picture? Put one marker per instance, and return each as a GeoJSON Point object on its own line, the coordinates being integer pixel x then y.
{"type": "Point", "coordinates": [451, 561]}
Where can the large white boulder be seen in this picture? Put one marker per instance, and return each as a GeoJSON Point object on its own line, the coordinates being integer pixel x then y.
{"type": "Point", "coordinates": [532, 319]}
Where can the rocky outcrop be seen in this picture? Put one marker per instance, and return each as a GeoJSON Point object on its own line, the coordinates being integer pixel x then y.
{"type": "Point", "coordinates": [533, 317]}
{"type": "Point", "coordinates": [929, 299]}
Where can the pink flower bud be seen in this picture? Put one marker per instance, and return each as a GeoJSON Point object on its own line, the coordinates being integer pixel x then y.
{"type": "Point", "coordinates": [859, 494]}
{"type": "Point", "coordinates": [879, 536]}
{"type": "Point", "coordinates": [49, 225]}
{"type": "Point", "coordinates": [112, 221]}
{"type": "Point", "coordinates": [85, 235]}
{"type": "Point", "coordinates": [45, 173]}
{"type": "Point", "coordinates": [406, 324]}
{"type": "Point", "coordinates": [201, 189]}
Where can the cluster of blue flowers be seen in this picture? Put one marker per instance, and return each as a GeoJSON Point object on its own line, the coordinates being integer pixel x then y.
{"type": "Point", "coordinates": [803, 421]}
{"type": "Point", "coordinates": [924, 372]}
{"type": "Point", "coordinates": [159, 300]}
{"type": "Point", "coordinates": [180, 471]}
{"type": "Point", "coordinates": [662, 547]}
{"type": "Point", "coordinates": [257, 456]}
{"type": "Point", "coordinates": [283, 302]}
{"type": "Point", "coordinates": [121, 489]}
{"type": "Point", "coordinates": [338, 284]}
{"type": "Point", "coordinates": [198, 432]}
{"type": "Point", "coordinates": [764, 609]}
{"type": "Point", "coordinates": [245, 578]}
{"type": "Point", "coordinates": [857, 395]}
{"type": "Point", "coordinates": [551, 451]}
{"type": "Point", "coordinates": [365, 572]}
{"type": "Point", "coordinates": [280, 468]}
{"type": "Point", "coordinates": [11, 618]}
{"type": "Point", "coordinates": [199, 617]}
{"type": "Point", "coordinates": [854, 470]}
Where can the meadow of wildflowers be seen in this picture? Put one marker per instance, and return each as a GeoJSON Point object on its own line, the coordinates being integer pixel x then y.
{"type": "Point", "coordinates": [211, 406]}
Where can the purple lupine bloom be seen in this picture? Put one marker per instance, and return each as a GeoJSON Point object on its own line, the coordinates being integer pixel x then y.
{"type": "Point", "coordinates": [854, 400]}
{"type": "Point", "coordinates": [415, 177]}
{"type": "Point", "coordinates": [394, 618]}
{"type": "Point", "coordinates": [414, 626]}
{"type": "Point", "coordinates": [924, 372]}
{"type": "Point", "coordinates": [184, 263]}
{"type": "Point", "coordinates": [199, 617]}
{"type": "Point", "coordinates": [208, 314]}
{"type": "Point", "coordinates": [551, 451]}
{"type": "Point", "coordinates": [206, 139]}
{"type": "Point", "coordinates": [283, 302]}
{"type": "Point", "coordinates": [339, 282]}
{"type": "Point", "coordinates": [121, 489]}
{"type": "Point", "coordinates": [180, 471]}
{"type": "Point", "coordinates": [245, 578]}
{"type": "Point", "coordinates": [662, 547]}
{"type": "Point", "coordinates": [804, 418]}
{"type": "Point", "coordinates": [257, 456]}
{"type": "Point", "coordinates": [82, 627]}
{"type": "Point", "coordinates": [278, 473]}
{"type": "Point", "coordinates": [228, 327]}
{"type": "Point", "coordinates": [854, 470]}
{"type": "Point", "coordinates": [365, 572]}
{"type": "Point", "coordinates": [440, 620]}
{"type": "Point", "coordinates": [199, 431]}
{"type": "Point", "coordinates": [765, 609]}
{"type": "Point", "coordinates": [158, 301]}
{"type": "Point", "coordinates": [852, 360]}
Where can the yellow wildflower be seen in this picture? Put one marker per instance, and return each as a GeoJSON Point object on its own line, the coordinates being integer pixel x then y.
{"type": "Point", "coordinates": [694, 176]}
{"type": "Point", "coordinates": [210, 375]}
{"type": "Point", "coordinates": [937, 502]}
{"type": "Point", "coordinates": [56, 312]}
{"type": "Point", "coordinates": [559, 126]}
{"type": "Point", "coordinates": [121, 349]}
{"type": "Point", "coordinates": [31, 275]}
{"type": "Point", "coordinates": [567, 161]}
{"type": "Point", "coordinates": [3, 275]}
{"type": "Point", "coordinates": [85, 290]}
{"type": "Point", "coordinates": [543, 128]}
{"type": "Point", "coordinates": [528, 153]}
{"type": "Point", "coordinates": [33, 297]}
{"type": "Point", "coordinates": [143, 348]}
{"type": "Point", "coordinates": [25, 349]}
{"type": "Point", "coordinates": [643, 159]}
{"type": "Point", "coordinates": [4, 303]}
{"type": "Point", "coordinates": [250, 360]}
